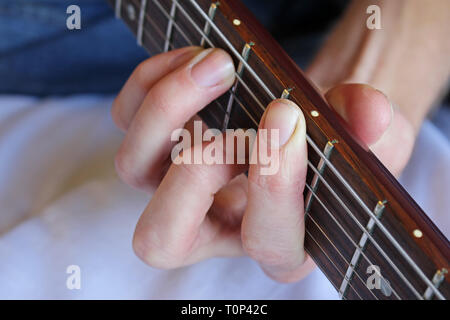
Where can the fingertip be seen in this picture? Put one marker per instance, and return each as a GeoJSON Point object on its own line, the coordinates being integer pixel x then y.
{"type": "Point", "coordinates": [212, 68]}
{"type": "Point", "coordinates": [367, 111]}
{"type": "Point", "coordinates": [285, 116]}
{"type": "Point", "coordinates": [116, 116]}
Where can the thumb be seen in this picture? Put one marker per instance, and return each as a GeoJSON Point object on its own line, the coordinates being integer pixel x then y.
{"type": "Point", "coordinates": [371, 118]}
{"type": "Point", "coordinates": [366, 111]}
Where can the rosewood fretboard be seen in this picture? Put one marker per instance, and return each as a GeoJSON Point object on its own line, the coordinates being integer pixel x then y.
{"type": "Point", "coordinates": [358, 215]}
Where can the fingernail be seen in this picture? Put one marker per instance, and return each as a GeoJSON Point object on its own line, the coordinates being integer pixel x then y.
{"type": "Point", "coordinates": [283, 116]}
{"type": "Point", "coordinates": [212, 67]}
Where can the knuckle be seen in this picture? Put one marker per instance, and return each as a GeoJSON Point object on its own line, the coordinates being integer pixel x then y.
{"type": "Point", "coordinates": [142, 72]}
{"type": "Point", "coordinates": [259, 250]}
{"type": "Point", "coordinates": [125, 170]}
{"type": "Point", "coordinates": [156, 253]}
{"type": "Point", "coordinates": [159, 100]}
{"type": "Point", "coordinates": [195, 172]}
{"type": "Point", "coordinates": [116, 115]}
{"type": "Point", "coordinates": [278, 187]}
{"type": "Point", "coordinates": [269, 252]}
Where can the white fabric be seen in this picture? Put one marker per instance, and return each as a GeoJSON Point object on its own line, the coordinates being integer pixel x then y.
{"type": "Point", "coordinates": [61, 204]}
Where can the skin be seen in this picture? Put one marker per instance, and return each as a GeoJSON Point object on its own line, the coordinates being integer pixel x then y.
{"type": "Point", "coordinates": [229, 214]}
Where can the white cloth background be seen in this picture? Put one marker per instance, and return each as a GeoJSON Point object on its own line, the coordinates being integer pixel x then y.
{"type": "Point", "coordinates": [61, 204]}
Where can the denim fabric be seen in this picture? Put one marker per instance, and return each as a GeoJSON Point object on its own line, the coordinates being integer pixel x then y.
{"type": "Point", "coordinates": [40, 56]}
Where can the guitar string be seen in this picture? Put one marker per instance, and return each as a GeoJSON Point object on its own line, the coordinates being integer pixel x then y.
{"type": "Point", "coordinates": [212, 46]}
{"type": "Point", "coordinates": [353, 267]}
{"type": "Point", "coordinates": [399, 248]}
{"type": "Point", "coordinates": [348, 264]}
{"type": "Point", "coordinates": [334, 265]}
{"type": "Point", "coordinates": [384, 230]}
{"type": "Point", "coordinates": [375, 243]}
{"type": "Point", "coordinates": [174, 23]}
{"type": "Point", "coordinates": [158, 47]}
{"type": "Point", "coordinates": [240, 58]}
{"type": "Point", "coordinates": [149, 19]}
{"type": "Point", "coordinates": [242, 106]}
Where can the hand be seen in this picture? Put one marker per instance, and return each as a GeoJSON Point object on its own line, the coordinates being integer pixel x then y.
{"type": "Point", "coordinates": [201, 211]}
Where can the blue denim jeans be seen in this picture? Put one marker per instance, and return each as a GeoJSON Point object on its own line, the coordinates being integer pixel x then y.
{"type": "Point", "coordinates": [40, 56]}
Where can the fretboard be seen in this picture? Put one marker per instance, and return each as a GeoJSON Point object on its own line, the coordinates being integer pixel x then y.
{"type": "Point", "coordinates": [363, 230]}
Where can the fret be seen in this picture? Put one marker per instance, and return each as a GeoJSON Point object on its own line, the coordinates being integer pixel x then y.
{"type": "Point", "coordinates": [147, 29]}
{"type": "Point", "coordinates": [180, 37]}
{"type": "Point", "coordinates": [140, 30]}
{"type": "Point", "coordinates": [360, 285]}
{"type": "Point", "coordinates": [286, 93]}
{"type": "Point", "coordinates": [343, 223]}
{"type": "Point", "coordinates": [330, 259]}
{"type": "Point", "coordinates": [230, 47]}
{"type": "Point", "coordinates": [438, 278]}
{"type": "Point", "coordinates": [378, 211]}
{"type": "Point", "coordinates": [118, 9]}
{"type": "Point", "coordinates": [240, 69]}
{"type": "Point", "coordinates": [153, 33]}
{"type": "Point", "coordinates": [207, 27]}
{"type": "Point", "coordinates": [191, 21]}
{"type": "Point", "coordinates": [349, 220]}
{"type": "Point", "coordinates": [170, 25]}
{"type": "Point", "coordinates": [418, 286]}
{"type": "Point", "coordinates": [248, 114]}
{"type": "Point", "coordinates": [320, 167]}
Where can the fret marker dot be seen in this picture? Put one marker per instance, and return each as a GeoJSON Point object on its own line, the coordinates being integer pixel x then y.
{"type": "Point", "coordinates": [417, 233]}
{"type": "Point", "coordinates": [237, 22]}
{"type": "Point", "coordinates": [314, 113]}
{"type": "Point", "coordinates": [131, 12]}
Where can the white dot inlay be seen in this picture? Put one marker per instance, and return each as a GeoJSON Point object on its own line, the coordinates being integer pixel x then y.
{"type": "Point", "coordinates": [315, 113]}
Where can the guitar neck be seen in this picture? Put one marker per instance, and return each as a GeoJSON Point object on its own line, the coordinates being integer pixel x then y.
{"type": "Point", "coordinates": [363, 230]}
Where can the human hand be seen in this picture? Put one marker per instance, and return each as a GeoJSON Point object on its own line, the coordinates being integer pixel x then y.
{"type": "Point", "coordinates": [200, 211]}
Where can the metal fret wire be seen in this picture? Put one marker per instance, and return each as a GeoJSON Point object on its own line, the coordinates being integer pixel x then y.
{"type": "Point", "coordinates": [343, 275]}
{"type": "Point", "coordinates": [254, 121]}
{"type": "Point", "coordinates": [141, 20]}
{"type": "Point", "coordinates": [241, 81]}
{"type": "Point", "coordinates": [376, 220]}
{"type": "Point", "coordinates": [118, 8]}
{"type": "Point", "coordinates": [346, 234]}
{"type": "Point", "coordinates": [170, 25]}
{"type": "Point", "coordinates": [335, 171]}
{"type": "Point", "coordinates": [364, 230]}
{"type": "Point", "coordinates": [342, 256]}
{"type": "Point", "coordinates": [149, 19]}
{"type": "Point", "coordinates": [309, 140]}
